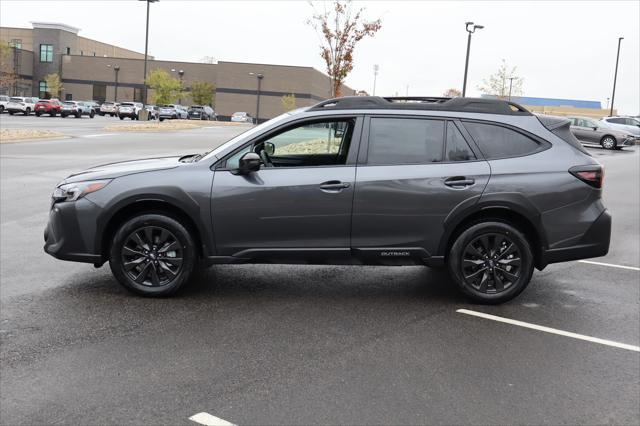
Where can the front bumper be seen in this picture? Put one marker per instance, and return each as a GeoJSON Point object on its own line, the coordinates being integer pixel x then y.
{"type": "Point", "coordinates": [594, 243]}
{"type": "Point", "coordinates": [70, 232]}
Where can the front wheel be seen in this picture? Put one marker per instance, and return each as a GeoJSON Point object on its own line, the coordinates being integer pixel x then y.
{"type": "Point", "coordinates": [27, 111]}
{"type": "Point", "coordinates": [491, 262]}
{"type": "Point", "coordinates": [609, 142]}
{"type": "Point", "coordinates": [92, 114]}
{"type": "Point", "coordinates": [38, 114]}
{"type": "Point", "coordinates": [153, 255]}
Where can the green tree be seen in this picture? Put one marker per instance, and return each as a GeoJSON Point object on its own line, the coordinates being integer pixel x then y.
{"type": "Point", "coordinates": [54, 85]}
{"type": "Point", "coordinates": [340, 29]}
{"type": "Point", "coordinates": [203, 93]}
{"type": "Point", "coordinates": [288, 102]}
{"type": "Point", "coordinates": [167, 89]}
{"type": "Point", "coordinates": [499, 83]}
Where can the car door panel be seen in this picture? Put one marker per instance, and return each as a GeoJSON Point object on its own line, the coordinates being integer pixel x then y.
{"type": "Point", "coordinates": [406, 205]}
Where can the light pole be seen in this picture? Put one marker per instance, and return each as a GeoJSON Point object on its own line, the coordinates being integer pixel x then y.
{"type": "Point", "coordinates": [259, 76]}
{"type": "Point", "coordinates": [146, 51]}
{"type": "Point", "coordinates": [116, 69]}
{"type": "Point", "coordinates": [615, 77]}
{"type": "Point", "coordinates": [471, 28]}
{"type": "Point", "coordinates": [510, 85]}
{"type": "Point", "coordinates": [376, 68]}
{"type": "Point", "coordinates": [180, 74]}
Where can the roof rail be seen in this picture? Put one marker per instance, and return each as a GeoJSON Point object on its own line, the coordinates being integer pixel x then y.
{"type": "Point", "coordinates": [479, 105]}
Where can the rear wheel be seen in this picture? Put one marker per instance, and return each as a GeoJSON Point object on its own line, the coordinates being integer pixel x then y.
{"type": "Point", "coordinates": [27, 111]}
{"type": "Point", "coordinates": [491, 262]}
{"type": "Point", "coordinates": [52, 113]}
{"type": "Point", "coordinates": [609, 142]}
{"type": "Point", "coordinates": [38, 114]}
{"type": "Point", "coordinates": [153, 255]}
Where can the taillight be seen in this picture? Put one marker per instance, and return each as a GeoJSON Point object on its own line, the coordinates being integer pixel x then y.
{"type": "Point", "coordinates": [591, 175]}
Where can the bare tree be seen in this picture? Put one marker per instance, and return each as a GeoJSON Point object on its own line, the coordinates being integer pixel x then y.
{"type": "Point", "coordinates": [54, 85]}
{"type": "Point", "coordinates": [452, 93]}
{"type": "Point", "coordinates": [503, 83]}
{"type": "Point", "coordinates": [340, 29]}
{"type": "Point", "coordinates": [8, 77]}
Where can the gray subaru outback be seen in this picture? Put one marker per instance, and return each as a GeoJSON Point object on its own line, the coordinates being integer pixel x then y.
{"type": "Point", "coordinates": [479, 186]}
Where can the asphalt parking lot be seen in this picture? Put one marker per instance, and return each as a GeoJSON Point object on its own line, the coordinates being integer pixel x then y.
{"type": "Point", "coordinates": [271, 344]}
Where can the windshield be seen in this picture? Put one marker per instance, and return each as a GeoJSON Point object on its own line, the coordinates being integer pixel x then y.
{"type": "Point", "coordinates": [126, 104]}
{"type": "Point", "coordinates": [250, 132]}
{"type": "Point", "coordinates": [69, 103]}
{"type": "Point", "coordinates": [16, 99]}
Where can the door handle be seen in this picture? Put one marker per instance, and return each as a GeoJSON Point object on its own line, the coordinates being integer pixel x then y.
{"type": "Point", "coordinates": [459, 181]}
{"type": "Point", "coordinates": [334, 185]}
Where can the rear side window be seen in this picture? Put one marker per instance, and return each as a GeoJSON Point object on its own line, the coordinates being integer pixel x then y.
{"type": "Point", "coordinates": [405, 141]}
{"type": "Point", "coordinates": [500, 142]}
{"type": "Point", "coordinates": [457, 148]}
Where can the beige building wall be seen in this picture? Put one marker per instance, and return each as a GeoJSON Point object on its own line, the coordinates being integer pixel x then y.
{"type": "Point", "coordinates": [565, 111]}
{"type": "Point", "coordinates": [24, 34]}
{"type": "Point", "coordinates": [88, 47]}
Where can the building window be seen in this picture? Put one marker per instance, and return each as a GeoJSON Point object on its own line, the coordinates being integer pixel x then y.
{"type": "Point", "coordinates": [42, 89]}
{"type": "Point", "coordinates": [46, 53]}
{"type": "Point", "coordinates": [99, 92]}
{"type": "Point", "coordinates": [81, 53]}
{"type": "Point", "coordinates": [94, 53]}
{"type": "Point", "coordinates": [68, 97]}
{"type": "Point", "coordinates": [16, 42]}
{"type": "Point", "coordinates": [137, 94]}
{"type": "Point", "coordinates": [68, 51]}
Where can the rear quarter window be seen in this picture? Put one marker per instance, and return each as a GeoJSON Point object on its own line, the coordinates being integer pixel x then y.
{"type": "Point", "coordinates": [497, 141]}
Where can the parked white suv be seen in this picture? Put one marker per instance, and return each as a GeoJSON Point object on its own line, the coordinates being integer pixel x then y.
{"type": "Point", "coordinates": [627, 124]}
{"type": "Point", "coordinates": [130, 109]}
{"type": "Point", "coordinates": [4, 100]}
{"type": "Point", "coordinates": [25, 105]}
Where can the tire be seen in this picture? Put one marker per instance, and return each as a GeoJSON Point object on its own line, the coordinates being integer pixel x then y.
{"type": "Point", "coordinates": [38, 114]}
{"type": "Point", "coordinates": [170, 275]}
{"type": "Point", "coordinates": [121, 117]}
{"type": "Point", "coordinates": [1, 109]}
{"type": "Point", "coordinates": [78, 115]}
{"type": "Point", "coordinates": [63, 115]}
{"type": "Point", "coordinates": [608, 142]}
{"type": "Point", "coordinates": [11, 112]}
{"type": "Point", "coordinates": [476, 271]}
{"type": "Point", "coordinates": [92, 114]}
{"type": "Point", "coordinates": [52, 113]}
{"type": "Point", "coordinates": [27, 111]}
{"type": "Point", "coordinates": [161, 119]}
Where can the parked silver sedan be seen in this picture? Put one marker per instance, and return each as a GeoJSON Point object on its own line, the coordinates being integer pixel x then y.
{"type": "Point", "coordinates": [593, 132]}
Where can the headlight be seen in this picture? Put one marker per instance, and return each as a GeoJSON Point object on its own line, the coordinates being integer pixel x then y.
{"type": "Point", "coordinates": [74, 191]}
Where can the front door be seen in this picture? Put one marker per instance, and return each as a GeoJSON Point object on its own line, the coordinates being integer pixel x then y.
{"type": "Point", "coordinates": [300, 200]}
{"type": "Point", "coordinates": [408, 182]}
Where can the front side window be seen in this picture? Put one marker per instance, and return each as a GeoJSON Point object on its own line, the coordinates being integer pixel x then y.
{"type": "Point", "coordinates": [405, 141]}
{"type": "Point", "coordinates": [457, 148]}
{"type": "Point", "coordinates": [500, 142]}
{"type": "Point", "coordinates": [307, 145]}
{"type": "Point", "coordinates": [46, 53]}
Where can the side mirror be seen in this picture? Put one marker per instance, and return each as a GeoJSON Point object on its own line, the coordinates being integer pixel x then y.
{"type": "Point", "coordinates": [249, 162]}
{"type": "Point", "coordinates": [269, 148]}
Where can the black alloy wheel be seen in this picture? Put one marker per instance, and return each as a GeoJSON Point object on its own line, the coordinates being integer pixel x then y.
{"type": "Point", "coordinates": [491, 262]}
{"type": "Point", "coordinates": [152, 256]}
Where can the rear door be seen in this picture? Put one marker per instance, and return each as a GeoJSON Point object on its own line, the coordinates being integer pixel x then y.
{"type": "Point", "coordinates": [412, 173]}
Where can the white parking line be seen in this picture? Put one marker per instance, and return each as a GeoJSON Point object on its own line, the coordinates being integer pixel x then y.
{"type": "Point", "coordinates": [550, 330]}
{"type": "Point", "coordinates": [611, 265]}
{"type": "Point", "coordinates": [97, 135]}
{"type": "Point", "coordinates": [209, 420]}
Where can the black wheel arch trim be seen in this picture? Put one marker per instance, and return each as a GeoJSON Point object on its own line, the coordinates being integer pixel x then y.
{"type": "Point", "coordinates": [179, 202]}
{"type": "Point", "coordinates": [512, 203]}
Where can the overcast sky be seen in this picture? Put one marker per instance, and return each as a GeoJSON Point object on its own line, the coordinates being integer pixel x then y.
{"type": "Point", "coordinates": [561, 49]}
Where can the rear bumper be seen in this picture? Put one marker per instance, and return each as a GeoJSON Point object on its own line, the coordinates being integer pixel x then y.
{"type": "Point", "coordinates": [594, 243]}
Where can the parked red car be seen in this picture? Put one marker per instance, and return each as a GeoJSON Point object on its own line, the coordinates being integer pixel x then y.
{"type": "Point", "coordinates": [48, 106]}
